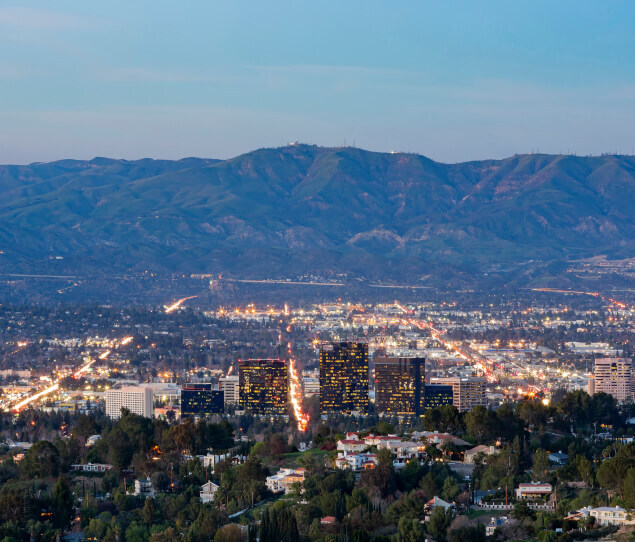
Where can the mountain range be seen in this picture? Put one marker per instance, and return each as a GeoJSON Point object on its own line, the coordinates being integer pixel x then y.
{"type": "Point", "coordinates": [304, 209]}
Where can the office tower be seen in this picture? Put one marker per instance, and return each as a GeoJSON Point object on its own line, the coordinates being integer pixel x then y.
{"type": "Point", "coordinates": [200, 399]}
{"type": "Point", "coordinates": [263, 386]}
{"type": "Point", "coordinates": [400, 386]}
{"type": "Point", "coordinates": [231, 388]}
{"type": "Point", "coordinates": [466, 392]}
{"type": "Point", "coordinates": [438, 395]}
{"type": "Point", "coordinates": [137, 399]}
{"type": "Point", "coordinates": [615, 377]}
{"type": "Point", "coordinates": [344, 378]}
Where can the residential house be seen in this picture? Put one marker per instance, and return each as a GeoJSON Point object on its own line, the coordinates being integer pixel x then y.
{"type": "Point", "coordinates": [470, 455]}
{"type": "Point", "coordinates": [207, 492]}
{"type": "Point", "coordinates": [355, 461]}
{"type": "Point", "coordinates": [494, 524]}
{"type": "Point", "coordinates": [351, 445]}
{"type": "Point", "coordinates": [283, 481]}
{"type": "Point", "coordinates": [143, 488]}
{"type": "Point", "coordinates": [558, 458]}
{"type": "Point", "coordinates": [533, 490]}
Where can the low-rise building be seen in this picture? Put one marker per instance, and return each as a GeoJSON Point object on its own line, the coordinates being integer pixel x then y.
{"type": "Point", "coordinates": [356, 461]}
{"type": "Point", "coordinates": [92, 467]}
{"type": "Point", "coordinates": [533, 490]}
{"type": "Point", "coordinates": [494, 524]}
{"type": "Point", "coordinates": [351, 445]}
{"type": "Point", "coordinates": [611, 515]}
{"type": "Point", "coordinates": [283, 481]}
{"type": "Point", "coordinates": [470, 455]}
{"type": "Point", "coordinates": [208, 491]}
{"type": "Point", "coordinates": [558, 458]}
{"type": "Point", "coordinates": [144, 488]}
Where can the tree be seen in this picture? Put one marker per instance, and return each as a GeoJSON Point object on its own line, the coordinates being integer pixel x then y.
{"type": "Point", "coordinates": [540, 469]}
{"type": "Point", "coordinates": [410, 530]}
{"type": "Point", "coordinates": [481, 423]}
{"type": "Point", "coordinates": [148, 511]}
{"type": "Point", "coordinates": [205, 525]}
{"type": "Point", "coordinates": [473, 533]}
{"type": "Point", "coordinates": [63, 503]}
{"type": "Point", "coordinates": [440, 520]}
{"type": "Point", "coordinates": [522, 512]}
{"type": "Point", "coordinates": [450, 489]}
{"type": "Point", "coordinates": [41, 460]}
{"type": "Point", "coordinates": [229, 533]}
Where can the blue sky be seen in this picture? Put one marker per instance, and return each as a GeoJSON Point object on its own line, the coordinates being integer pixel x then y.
{"type": "Point", "coordinates": [452, 80]}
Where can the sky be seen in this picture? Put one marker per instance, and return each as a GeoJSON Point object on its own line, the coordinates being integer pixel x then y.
{"type": "Point", "coordinates": [454, 81]}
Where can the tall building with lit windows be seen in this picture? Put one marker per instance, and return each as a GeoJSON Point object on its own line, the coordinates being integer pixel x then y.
{"type": "Point", "coordinates": [264, 386]}
{"type": "Point", "coordinates": [199, 399]}
{"type": "Point", "coordinates": [438, 395]}
{"type": "Point", "coordinates": [344, 378]}
{"type": "Point", "coordinates": [615, 377]}
{"type": "Point", "coordinates": [400, 386]}
{"type": "Point", "coordinates": [466, 392]}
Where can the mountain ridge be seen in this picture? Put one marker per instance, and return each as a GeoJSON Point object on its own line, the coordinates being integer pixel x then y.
{"type": "Point", "coordinates": [303, 208]}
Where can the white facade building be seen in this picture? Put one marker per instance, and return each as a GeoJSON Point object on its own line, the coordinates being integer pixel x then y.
{"type": "Point", "coordinates": [207, 492]}
{"type": "Point", "coordinates": [231, 388]}
{"type": "Point", "coordinates": [137, 399]}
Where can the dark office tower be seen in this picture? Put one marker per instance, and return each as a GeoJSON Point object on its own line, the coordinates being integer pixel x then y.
{"type": "Point", "coordinates": [200, 399]}
{"type": "Point", "coordinates": [263, 386]}
{"type": "Point", "coordinates": [438, 395]}
{"type": "Point", "coordinates": [400, 386]}
{"type": "Point", "coordinates": [344, 378]}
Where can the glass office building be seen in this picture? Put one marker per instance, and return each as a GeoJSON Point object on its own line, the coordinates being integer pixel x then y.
{"type": "Point", "coordinates": [344, 378]}
{"type": "Point", "coordinates": [263, 386]}
{"type": "Point", "coordinates": [400, 386]}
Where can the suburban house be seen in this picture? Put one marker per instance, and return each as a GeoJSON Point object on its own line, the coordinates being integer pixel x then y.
{"type": "Point", "coordinates": [355, 461]}
{"type": "Point", "coordinates": [143, 488]}
{"type": "Point", "coordinates": [533, 490]}
{"type": "Point", "coordinates": [351, 445]}
{"type": "Point", "coordinates": [207, 492]}
{"type": "Point", "coordinates": [92, 467]}
{"type": "Point", "coordinates": [494, 524]}
{"type": "Point", "coordinates": [283, 481]}
{"type": "Point", "coordinates": [470, 455]}
{"type": "Point", "coordinates": [558, 458]}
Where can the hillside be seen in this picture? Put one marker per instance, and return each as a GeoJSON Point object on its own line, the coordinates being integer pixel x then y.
{"type": "Point", "coordinates": [302, 209]}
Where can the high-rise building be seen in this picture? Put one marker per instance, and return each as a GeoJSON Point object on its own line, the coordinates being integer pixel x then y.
{"type": "Point", "coordinates": [199, 399]}
{"type": "Point", "coordinates": [437, 395]}
{"type": "Point", "coordinates": [400, 386]}
{"type": "Point", "coordinates": [344, 378]}
{"type": "Point", "coordinates": [264, 386]}
{"type": "Point", "coordinates": [466, 392]}
{"type": "Point", "coordinates": [137, 399]}
{"type": "Point", "coordinates": [615, 377]}
{"type": "Point", "coordinates": [231, 388]}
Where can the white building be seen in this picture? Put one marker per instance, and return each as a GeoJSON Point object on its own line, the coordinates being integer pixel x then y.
{"type": "Point", "coordinates": [284, 480]}
{"type": "Point", "coordinates": [533, 490]}
{"type": "Point", "coordinates": [351, 445]}
{"type": "Point", "coordinates": [207, 492]}
{"type": "Point", "coordinates": [607, 515]}
{"type": "Point", "coordinates": [311, 386]}
{"type": "Point", "coordinates": [137, 399]}
{"type": "Point", "coordinates": [143, 488]}
{"type": "Point", "coordinates": [230, 385]}
{"type": "Point", "coordinates": [613, 376]}
{"type": "Point", "coordinates": [356, 462]}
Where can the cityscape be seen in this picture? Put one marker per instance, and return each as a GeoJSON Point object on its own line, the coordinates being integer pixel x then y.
{"type": "Point", "coordinates": [331, 271]}
{"type": "Point", "coordinates": [384, 396]}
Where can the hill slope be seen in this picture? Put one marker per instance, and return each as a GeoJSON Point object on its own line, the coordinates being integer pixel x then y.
{"type": "Point", "coordinates": [302, 209]}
